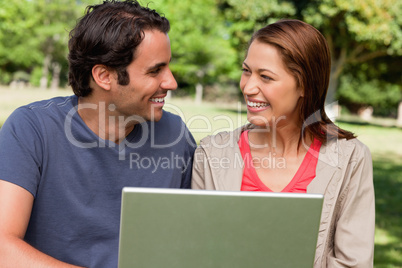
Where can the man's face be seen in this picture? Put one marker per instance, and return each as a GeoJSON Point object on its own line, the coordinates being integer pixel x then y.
{"type": "Point", "coordinates": [150, 80]}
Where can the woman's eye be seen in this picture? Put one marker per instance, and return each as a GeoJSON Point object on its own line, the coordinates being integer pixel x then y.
{"type": "Point", "coordinates": [244, 70]}
{"type": "Point", "coordinates": [266, 77]}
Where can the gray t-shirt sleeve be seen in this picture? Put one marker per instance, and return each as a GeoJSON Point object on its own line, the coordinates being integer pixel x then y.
{"type": "Point", "coordinates": [21, 150]}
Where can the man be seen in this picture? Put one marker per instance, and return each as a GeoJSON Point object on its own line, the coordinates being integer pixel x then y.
{"type": "Point", "coordinates": [64, 161]}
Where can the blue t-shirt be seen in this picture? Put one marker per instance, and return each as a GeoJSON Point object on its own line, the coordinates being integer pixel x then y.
{"type": "Point", "coordinates": [77, 178]}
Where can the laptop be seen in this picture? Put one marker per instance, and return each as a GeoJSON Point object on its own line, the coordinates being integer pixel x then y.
{"type": "Point", "coordinates": [199, 228]}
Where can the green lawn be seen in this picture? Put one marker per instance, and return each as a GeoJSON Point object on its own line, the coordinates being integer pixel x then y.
{"type": "Point", "coordinates": [385, 144]}
{"type": "Point", "coordinates": [10, 99]}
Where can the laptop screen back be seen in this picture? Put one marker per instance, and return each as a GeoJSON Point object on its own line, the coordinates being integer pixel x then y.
{"type": "Point", "coordinates": [189, 228]}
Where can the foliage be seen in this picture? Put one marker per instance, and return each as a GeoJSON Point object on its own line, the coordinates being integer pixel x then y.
{"type": "Point", "coordinates": [32, 30]}
{"type": "Point", "coordinates": [5, 77]}
{"type": "Point", "coordinates": [18, 44]}
{"type": "Point", "coordinates": [201, 52]}
{"type": "Point", "coordinates": [55, 20]}
{"type": "Point", "coordinates": [359, 32]}
{"type": "Point", "coordinates": [21, 76]}
{"type": "Point", "coordinates": [35, 76]}
{"type": "Point", "coordinates": [209, 39]}
{"type": "Point", "coordinates": [243, 18]}
{"type": "Point", "coordinates": [357, 91]}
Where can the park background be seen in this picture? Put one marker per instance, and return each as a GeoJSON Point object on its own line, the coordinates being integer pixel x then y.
{"type": "Point", "coordinates": [209, 39]}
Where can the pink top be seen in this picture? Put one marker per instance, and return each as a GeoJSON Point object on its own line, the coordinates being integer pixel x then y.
{"type": "Point", "coordinates": [304, 175]}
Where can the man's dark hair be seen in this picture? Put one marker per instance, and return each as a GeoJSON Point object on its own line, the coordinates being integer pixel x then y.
{"type": "Point", "coordinates": [109, 34]}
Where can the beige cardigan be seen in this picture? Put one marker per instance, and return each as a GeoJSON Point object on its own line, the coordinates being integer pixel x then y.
{"type": "Point", "coordinates": [344, 174]}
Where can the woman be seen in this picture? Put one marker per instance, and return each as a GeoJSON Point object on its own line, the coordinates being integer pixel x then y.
{"type": "Point", "coordinates": [291, 145]}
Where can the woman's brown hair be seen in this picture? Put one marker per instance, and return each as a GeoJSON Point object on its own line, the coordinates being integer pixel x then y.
{"type": "Point", "coordinates": [305, 53]}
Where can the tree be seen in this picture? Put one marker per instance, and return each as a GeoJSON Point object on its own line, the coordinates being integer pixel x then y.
{"type": "Point", "coordinates": [18, 46]}
{"type": "Point", "coordinates": [201, 52]}
{"type": "Point", "coordinates": [363, 36]}
{"type": "Point", "coordinates": [357, 32]}
{"type": "Point", "coordinates": [35, 33]}
{"type": "Point", "coordinates": [55, 19]}
{"type": "Point", "coordinates": [243, 18]}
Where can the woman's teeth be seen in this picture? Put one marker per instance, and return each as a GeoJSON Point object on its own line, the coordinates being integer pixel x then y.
{"type": "Point", "coordinates": [257, 104]}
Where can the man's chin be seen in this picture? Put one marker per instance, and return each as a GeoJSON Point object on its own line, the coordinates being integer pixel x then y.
{"type": "Point", "coordinates": [155, 116]}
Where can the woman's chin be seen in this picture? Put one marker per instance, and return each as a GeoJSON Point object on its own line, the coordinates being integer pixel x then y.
{"type": "Point", "coordinates": [260, 121]}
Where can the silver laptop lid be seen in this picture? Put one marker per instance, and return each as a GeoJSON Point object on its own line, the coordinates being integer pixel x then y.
{"type": "Point", "coordinates": [193, 228]}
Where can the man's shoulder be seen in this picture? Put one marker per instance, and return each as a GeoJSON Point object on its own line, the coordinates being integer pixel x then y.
{"type": "Point", "coordinates": [171, 129]}
{"type": "Point", "coordinates": [46, 107]}
{"type": "Point", "coordinates": [38, 113]}
{"type": "Point", "coordinates": [55, 102]}
{"type": "Point", "coordinates": [170, 121]}
{"type": "Point", "coordinates": [168, 116]}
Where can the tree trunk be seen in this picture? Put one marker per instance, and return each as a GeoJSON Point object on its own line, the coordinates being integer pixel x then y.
{"type": "Point", "coordinates": [55, 76]}
{"type": "Point", "coordinates": [332, 87]}
{"type": "Point", "coordinates": [168, 95]}
{"type": "Point", "coordinates": [399, 119]}
{"type": "Point", "coordinates": [198, 93]}
{"type": "Point", "coordinates": [45, 71]}
{"type": "Point", "coordinates": [331, 104]}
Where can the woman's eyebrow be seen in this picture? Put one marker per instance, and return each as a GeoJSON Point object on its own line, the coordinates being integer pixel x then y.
{"type": "Point", "coordinates": [261, 69]}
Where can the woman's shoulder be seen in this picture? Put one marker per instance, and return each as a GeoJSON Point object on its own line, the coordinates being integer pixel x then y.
{"type": "Point", "coordinates": [358, 144]}
{"type": "Point", "coordinates": [361, 150]}
{"type": "Point", "coordinates": [353, 148]}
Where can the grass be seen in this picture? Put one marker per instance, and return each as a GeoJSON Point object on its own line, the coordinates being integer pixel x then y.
{"type": "Point", "coordinates": [388, 186]}
{"type": "Point", "coordinates": [13, 98]}
{"type": "Point", "coordinates": [384, 141]}
{"type": "Point", "coordinates": [385, 144]}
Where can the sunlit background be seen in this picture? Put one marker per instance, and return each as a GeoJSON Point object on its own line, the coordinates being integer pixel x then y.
{"type": "Point", "coordinates": [208, 39]}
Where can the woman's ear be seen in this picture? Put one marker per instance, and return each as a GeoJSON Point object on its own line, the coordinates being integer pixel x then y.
{"type": "Point", "coordinates": [301, 92]}
{"type": "Point", "coordinates": [102, 76]}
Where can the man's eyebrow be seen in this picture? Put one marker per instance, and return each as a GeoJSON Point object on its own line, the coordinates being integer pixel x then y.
{"type": "Point", "coordinates": [158, 65]}
{"type": "Point", "coordinates": [261, 70]}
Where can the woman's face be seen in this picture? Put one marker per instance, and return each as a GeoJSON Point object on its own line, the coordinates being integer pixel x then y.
{"type": "Point", "coordinates": [270, 91]}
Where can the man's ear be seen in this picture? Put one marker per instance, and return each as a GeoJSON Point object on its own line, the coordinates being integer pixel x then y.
{"type": "Point", "coordinates": [102, 76]}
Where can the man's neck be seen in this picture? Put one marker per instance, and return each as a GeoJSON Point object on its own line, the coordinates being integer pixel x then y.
{"type": "Point", "coordinates": [104, 123]}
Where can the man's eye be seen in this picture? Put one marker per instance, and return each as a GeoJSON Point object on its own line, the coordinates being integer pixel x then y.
{"type": "Point", "coordinates": [156, 71]}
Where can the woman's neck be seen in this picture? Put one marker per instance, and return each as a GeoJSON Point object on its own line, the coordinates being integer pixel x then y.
{"type": "Point", "coordinates": [283, 141]}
